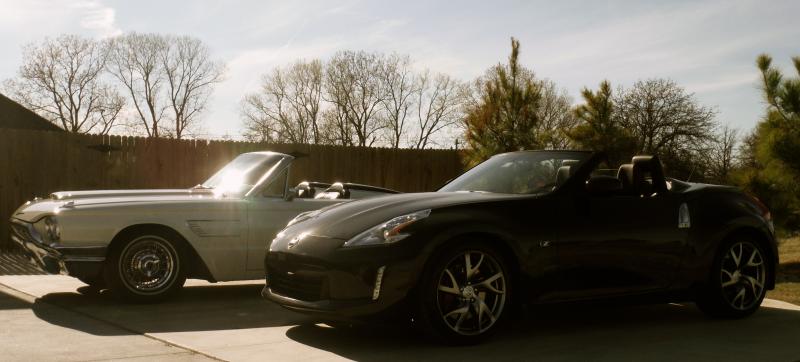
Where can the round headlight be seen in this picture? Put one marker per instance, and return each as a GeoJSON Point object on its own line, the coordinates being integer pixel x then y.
{"type": "Point", "coordinates": [52, 230]}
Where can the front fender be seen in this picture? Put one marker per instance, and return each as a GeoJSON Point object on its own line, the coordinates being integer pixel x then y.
{"type": "Point", "coordinates": [224, 254]}
{"type": "Point", "coordinates": [441, 231]}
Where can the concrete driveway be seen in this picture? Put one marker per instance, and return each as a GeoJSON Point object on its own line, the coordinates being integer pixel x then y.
{"type": "Point", "coordinates": [230, 322]}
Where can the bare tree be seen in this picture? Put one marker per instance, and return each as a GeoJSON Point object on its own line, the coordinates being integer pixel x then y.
{"type": "Point", "coordinates": [166, 78]}
{"type": "Point", "coordinates": [61, 79]}
{"type": "Point", "coordinates": [664, 117]}
{"type": "Point", "coordinates": [354, 88]}
{"type": "Point", "coordinates": [722, 158]}
{"type": "Point", "coordinates": [259, 126]}
{"type": "Point", "coordinates": [398, 82]}
{"type": "Point", "coordinates": [439, 106]}
{"type": "Point", "coordinates": [354, 99]}
{"type": "Point", "coordinates": [288, 106]}
{"type": "Point", "coordinates": [191, 74]}
{"type": "Point", "coordinates": [336, 129]}
{"type": "Point", "coordinates": [136, 62]}
{"type": "Point", "coordinates": [556, 118]}
{"type": "Point", "coordinates": [747, 150]}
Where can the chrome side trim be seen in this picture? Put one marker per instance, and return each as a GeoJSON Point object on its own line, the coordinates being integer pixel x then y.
{"type": "Point", "coordinates": [89, 259]}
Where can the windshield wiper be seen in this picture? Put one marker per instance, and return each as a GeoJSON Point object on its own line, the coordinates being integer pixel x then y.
{"type": "Point", "coordinates": [201, 187]}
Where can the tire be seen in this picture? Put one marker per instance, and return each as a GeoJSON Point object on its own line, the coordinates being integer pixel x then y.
{"type": "Point", "coordinates": [737, 282]}
{"type": "Point", "coordinates": [459, 307]}
{"type": "Point", "coordinates": [146, 267]}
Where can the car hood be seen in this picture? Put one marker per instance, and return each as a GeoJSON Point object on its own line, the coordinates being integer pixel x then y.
{"type": "Point", "coordinates": [73, 195]}
{"type": "Point", "coordinates": [64, 201]}
{"type": "Point", "coordinates": [343, 221]}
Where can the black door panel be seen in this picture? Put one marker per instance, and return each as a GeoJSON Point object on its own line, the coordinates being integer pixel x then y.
{"type": "Point", "coordinates": [618, 244]}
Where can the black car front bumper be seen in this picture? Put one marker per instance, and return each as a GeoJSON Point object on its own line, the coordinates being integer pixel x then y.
{"type": "Point", "coordinates": [336, 282]}
{"type": "Point", "coordinates": [81, 262]}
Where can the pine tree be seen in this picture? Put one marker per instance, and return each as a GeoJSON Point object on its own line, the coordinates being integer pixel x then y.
{"type": "Point", "coordinates": [504, 117]}
{"type": "Point", "coordinates": [773, 150]}
{"type": "Point", "coordinates": [599, 128]}
{"type": "Point", "coordinates": [783, 112]}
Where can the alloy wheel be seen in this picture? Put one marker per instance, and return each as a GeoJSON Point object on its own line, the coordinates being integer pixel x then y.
{"type": "Point", "coordinates": [471, 292]}
{"type": "Point", "coordinates": [743, 275]}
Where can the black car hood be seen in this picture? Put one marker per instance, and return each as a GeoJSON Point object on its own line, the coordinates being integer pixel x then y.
{"type": "Point", "coordinates": [343, 221]}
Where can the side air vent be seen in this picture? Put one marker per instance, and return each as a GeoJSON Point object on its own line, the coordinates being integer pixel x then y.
{"type": "Point", "coordinates": [215, 228]}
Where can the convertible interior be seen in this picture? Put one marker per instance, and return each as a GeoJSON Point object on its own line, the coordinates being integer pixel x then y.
{"type": "Point", "coordinates": [337, 190]}
{"type": "Point", "coordinates": [643, 177]}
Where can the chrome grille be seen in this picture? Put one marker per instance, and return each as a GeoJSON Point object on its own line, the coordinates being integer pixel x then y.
{"type": "Point", "coordinates": [21, 232]}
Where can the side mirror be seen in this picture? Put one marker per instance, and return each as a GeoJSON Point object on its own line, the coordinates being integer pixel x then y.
{"type": "Point", "coordinates": [602, 185]}
{"type": "Point", "coordinates": [290, 194]}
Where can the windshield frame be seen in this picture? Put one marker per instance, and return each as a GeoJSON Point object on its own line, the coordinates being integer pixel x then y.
{"type": "Point", "coordinates": [584, 159]}
{"type": "Point", "coordinates": [276, 163]}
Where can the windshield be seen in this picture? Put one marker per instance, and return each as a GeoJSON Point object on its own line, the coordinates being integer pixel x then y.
{"type": "Point", "coordinates": [244, 172]}
{"type": "Point", "coordinates": [533, 172]}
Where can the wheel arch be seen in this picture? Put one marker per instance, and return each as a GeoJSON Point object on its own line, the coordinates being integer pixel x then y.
{"type": "Point", "coordinates": [502, 243]}
{"type": "Point", "coordinates": [195, 268]}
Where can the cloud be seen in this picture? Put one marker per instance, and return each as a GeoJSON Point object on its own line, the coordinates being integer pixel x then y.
{"type": "Point", "coordinates": [245, 69]}
{"type": "Point", "coordinates": [97, 17]}
{"type": "Point", "coordinates": [725, 82]}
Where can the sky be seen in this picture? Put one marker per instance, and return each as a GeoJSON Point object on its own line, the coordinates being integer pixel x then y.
{"type": "Point", "coordinates": [708, 47]}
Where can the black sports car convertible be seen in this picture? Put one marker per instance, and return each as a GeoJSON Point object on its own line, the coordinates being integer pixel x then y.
{"type": "Point", "coordinates": [529, 226]}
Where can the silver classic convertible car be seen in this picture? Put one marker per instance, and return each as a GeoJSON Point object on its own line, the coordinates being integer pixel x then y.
{"type": "Point", "coordinates": [143, 244]}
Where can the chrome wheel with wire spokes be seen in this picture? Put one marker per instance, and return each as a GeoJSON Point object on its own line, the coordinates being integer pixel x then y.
{"type": "Point", "coordinates": [148, 265]}
{"type": "Point", "coordinates": [743, 275]}
{"type": "Point", "coordinates": [471, 293]}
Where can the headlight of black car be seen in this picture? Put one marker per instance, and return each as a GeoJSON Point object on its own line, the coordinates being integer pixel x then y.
{"type": "Point", "coordinates": [48, 230]}
{"type": "Point", "coordinates": [388, 232]}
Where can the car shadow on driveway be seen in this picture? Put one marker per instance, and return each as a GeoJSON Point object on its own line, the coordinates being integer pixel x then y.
{"type": "Point", "coordinates": [196, 308]}
{"type": "Point", "coordinates": [567, 332]}
{"type": "Point", "coordinates": [584, 332]}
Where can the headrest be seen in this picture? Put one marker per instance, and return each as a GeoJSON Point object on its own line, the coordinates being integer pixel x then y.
{"type": "Point", "coordinates": [563, 174]}
{"type": "Point", "coordinates": [336, 187]}
{"type": "Point", "coordinates": [335, 191]}
{"type": "Point", "coordinates": [625, 175]}
{"type": "Point", "coordinates": [304, 190]}
{"type": "Point", "coordinates": [570, 163]}
{"type": "Point", "coordinates": [652, 165]}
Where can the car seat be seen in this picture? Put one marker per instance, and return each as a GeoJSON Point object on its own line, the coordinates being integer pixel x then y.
{"type": "Point", "coordinates": [644, 166]}
{"type": "Point", "coordinates": [335, 191]}
{"type": "Point", "coordinates": [625, 176]}
{"type": "Point", "coordinates": [566, 170]}
{"type": "Point", "coordinates": [305, 190]}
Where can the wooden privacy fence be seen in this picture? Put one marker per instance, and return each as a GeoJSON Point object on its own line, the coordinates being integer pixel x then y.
{"type": "Point", "coordinates": [37, 163]}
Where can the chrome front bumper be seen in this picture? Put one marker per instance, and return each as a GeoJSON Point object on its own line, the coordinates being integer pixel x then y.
{"type": "Point", "coordinates": [56, 259]}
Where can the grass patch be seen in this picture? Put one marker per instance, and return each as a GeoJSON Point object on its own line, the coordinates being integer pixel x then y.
{"type": "Point", "coordinates": [788, 279]}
